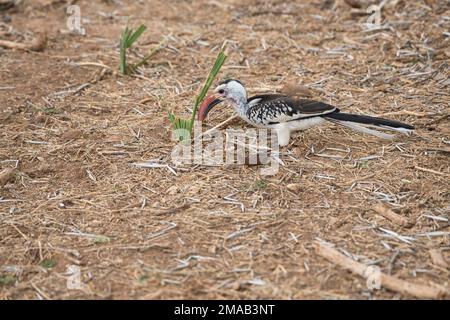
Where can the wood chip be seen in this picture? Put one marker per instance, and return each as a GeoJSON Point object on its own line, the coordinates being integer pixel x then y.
{"type": "Point", "coordinates": [294, 187]}
{"type": "Point", "coordinates": [72, 134]}
{"type": "Point", "coordinates": [387, 213]}
{"type": "Point", "coordinates": [438, 259]}
{"type": "Point", "coordinates": [6, 176]}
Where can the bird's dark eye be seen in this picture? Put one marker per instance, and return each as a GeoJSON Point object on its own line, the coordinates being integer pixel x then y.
{"type": "Point", "coordinates": [221, 91]}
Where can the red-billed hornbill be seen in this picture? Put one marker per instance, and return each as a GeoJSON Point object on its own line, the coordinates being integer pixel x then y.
{"type": "Point", "coordinates": [286, 114]}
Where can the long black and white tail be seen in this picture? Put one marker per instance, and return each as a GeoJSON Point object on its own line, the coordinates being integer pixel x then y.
{"type": "Point", "coordinates": [364, 123]}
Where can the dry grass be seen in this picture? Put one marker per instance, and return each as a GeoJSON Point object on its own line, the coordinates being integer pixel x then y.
{"type": "Point", "coordinates": [71, 127]}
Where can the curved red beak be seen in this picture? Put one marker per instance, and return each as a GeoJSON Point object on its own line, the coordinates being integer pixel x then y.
{"type": "Point", "coordinates": [206, 106]}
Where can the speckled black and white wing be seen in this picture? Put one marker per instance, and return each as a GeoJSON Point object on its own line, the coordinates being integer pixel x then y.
{"type": "Point", "coordinates": [273, 109]}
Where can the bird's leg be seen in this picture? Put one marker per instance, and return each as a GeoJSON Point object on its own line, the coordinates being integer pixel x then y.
{"type": "Point", "coordinates": [284, 134]}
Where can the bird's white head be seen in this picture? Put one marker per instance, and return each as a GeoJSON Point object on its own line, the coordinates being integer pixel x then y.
{"type": "Point", "coordinates": [230, 90]}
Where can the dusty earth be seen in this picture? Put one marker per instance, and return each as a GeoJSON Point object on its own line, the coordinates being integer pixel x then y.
{"type": "Point", "coordinates": [71, 127]}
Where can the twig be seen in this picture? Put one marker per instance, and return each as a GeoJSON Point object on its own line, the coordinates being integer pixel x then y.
{"type": "Point", "coordinates": [238, 233]}
{"type": "Point", "coordinates": [216, 127]}
{"type": "Point", "coordinates": [434, 234]}
{"type": "Point", "coordinates": [96, 64]}
{"type": "Point", "coordinates": [20, 232]}
{"type": "Point", "coordinates": [37, 44]}
{"type": "Point", "coordinates": [389, 282]}
{"type": "Point", "coordinates": [386, 212]}
{"type": "Point", "coordinates": [171, 226]}
{"type": "Point", "coordinates": [40, 291]}
{"type": "Point", "coordinates": [151, 164]}
{"type": "Point", "coordinates": [392, 234]}
{"type": "Point", "coordinates": [430, 170]}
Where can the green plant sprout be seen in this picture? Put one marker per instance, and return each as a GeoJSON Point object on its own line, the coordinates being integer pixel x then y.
{"type": "Point", "coordinates": [127, 39]}
{"type": "Point", "coordinates": [182, 128]}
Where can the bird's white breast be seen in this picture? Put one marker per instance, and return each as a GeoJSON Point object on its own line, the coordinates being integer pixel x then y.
{"type": "Point", "coordinates": [299, 124]}
{"type": "Point", "coordinates": [305, 123]}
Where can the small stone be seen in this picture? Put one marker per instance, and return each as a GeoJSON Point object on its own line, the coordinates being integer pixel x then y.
{"type": "Point", "coordinates": [71, 134]}
{"type": "Point", "coordinates": [294, 187]}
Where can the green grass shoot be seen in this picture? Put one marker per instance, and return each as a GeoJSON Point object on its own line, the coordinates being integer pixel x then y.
{"type": "Point", "coordinates": [7, 280]}
{"type": "Point", "coordinates": [48, 263]}
{"type": "Point", "coordinates": [182, 128]}
{"type": "Point", "coordinates": [127, 39]}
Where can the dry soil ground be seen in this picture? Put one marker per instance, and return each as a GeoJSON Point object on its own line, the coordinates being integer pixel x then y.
{"type": "Point", "coordinates": [71, 127]}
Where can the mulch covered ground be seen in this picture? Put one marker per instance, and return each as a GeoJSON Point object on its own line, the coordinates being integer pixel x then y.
{"type": "Point", "coordinates": [71, 127]}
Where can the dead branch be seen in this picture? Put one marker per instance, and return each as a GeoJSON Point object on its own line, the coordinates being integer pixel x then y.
{"type": "Point", "coordinates": [37, 44]}
{"type": "Point", "coordinates": [389, 282]}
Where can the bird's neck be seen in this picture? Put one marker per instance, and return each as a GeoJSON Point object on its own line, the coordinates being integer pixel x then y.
{"type": "Point", "coordinates": [240, 104]}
